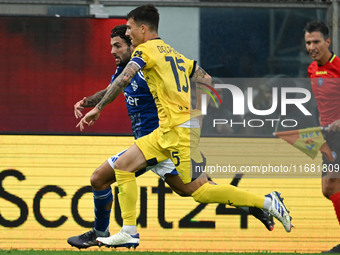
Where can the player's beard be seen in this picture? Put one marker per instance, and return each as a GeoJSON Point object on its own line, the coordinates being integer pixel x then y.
{"type": "Point", "coordinates": [125, 60]}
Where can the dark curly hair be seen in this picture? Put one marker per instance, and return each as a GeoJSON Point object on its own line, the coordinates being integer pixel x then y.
{"type": "Point", "coordinates": [120, 31]}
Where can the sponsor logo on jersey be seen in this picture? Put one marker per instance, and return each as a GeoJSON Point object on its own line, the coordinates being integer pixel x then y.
{"type": "Point", "coordinates": [134, 85]}
{"type": "Point", "coordinates": [320, 72]}
{"type": "Point", "coordinates": [133, 101]}
{"type": "Point", "coordinates": [138, 53]}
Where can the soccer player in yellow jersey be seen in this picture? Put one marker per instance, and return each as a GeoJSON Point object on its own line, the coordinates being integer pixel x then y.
{"type": "Point", "coordinates": [167, 73]}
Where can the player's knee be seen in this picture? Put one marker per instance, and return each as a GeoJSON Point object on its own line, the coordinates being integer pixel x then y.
{"type": "Point", "coordinates": [183, 193]}
{"type": "Point", "coordinates": [96, 181]}
{"type": "Point", "coordinates": [201, 181]}
{"type": "Point", "coordinates": [193, 186]}
{"type": "Point", "coordinates": [200, 197]}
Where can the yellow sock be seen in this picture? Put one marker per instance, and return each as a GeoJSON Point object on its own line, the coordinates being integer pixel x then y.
{"type": "Point", "coordinates": [227, 194]}
{"type": "Point", "coordinates": [127, 196]}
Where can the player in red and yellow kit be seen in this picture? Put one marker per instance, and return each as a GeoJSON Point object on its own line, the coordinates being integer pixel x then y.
{"type": "Point", "coordinates": [324, 72]}
{"type": "Point", "coordinates": [167, 74]}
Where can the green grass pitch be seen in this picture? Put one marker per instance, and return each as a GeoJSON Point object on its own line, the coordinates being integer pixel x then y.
{"type": "Point", "coordinates": [82, 252]}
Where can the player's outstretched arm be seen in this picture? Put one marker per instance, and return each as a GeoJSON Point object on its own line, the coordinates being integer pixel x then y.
{"type": "Point", "coordinates": [113, 90]}
{"type": "Point", "coordinates": [201, 78]}
{"type": "Point", "coordinates": [89, 119]}
{"type": "Point", "coordinates": [120, 83]}
{"type": "Point", "coordinates": [93, 100]}
{"type": "Point", "coordinates": [90, 101]}
{"type": "Point", "coordinates": [78, 107]}
{"type": "Point", "coordinates": [200, 75]}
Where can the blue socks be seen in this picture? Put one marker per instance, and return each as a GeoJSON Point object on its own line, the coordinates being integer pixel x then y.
{"type": "Point", "coordinates": [102, 199]}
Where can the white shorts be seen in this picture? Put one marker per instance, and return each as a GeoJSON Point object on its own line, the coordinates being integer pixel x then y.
{"type": "Point", "coordinates": [161, 169]}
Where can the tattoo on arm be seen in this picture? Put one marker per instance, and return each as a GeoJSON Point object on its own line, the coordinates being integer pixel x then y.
{"type": "Point", "coordinates": [117, 86]}
{"type": "Point", "coordinates": [199, 74]}
{"type": "Point", "coordinates": [200, 77]}
{"type": "Point", "coordinates": [93, 100]}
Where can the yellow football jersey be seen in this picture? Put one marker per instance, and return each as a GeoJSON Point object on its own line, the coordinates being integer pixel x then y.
{"type": "Point", "coordinates": [167, 74]}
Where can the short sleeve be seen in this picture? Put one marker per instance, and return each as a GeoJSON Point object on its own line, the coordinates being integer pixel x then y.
{"type": "Point", "coordinates": [141, 56]}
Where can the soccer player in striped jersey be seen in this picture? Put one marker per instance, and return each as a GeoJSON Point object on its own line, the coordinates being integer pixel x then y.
{"type": "Point", "coordinates": [167, 74]}
{"type": "Point", "coordinates": [324, 73]}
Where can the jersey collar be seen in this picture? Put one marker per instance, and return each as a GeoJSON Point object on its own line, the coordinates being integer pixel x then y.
{"type": "Point", "coordinates": [332, 57]}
